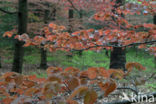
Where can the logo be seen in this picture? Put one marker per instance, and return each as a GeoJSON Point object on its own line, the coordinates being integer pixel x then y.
{"type": "Point", "coordinates": [125, 97]}
{"type": "Point", "coordinates": [138, 98]}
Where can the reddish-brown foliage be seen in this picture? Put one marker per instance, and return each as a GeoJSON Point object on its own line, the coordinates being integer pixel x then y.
{"type": "Point", "coordinates": [66, 85]}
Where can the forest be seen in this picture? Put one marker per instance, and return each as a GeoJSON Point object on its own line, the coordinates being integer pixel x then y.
{"type": "Point", "coordinates": [77, 52]}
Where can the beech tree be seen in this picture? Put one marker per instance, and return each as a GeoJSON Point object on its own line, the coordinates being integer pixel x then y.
{"type": "Point", "coordinates": [47, 16]}
{"type": "Point", "coordinates": [22, 28]}
{"type": "Point", "coordinates": [45, 11]}
{"type": "Point", "coordinates": [112, 34]}
{"type": "Point", "coordinates": [118, 54]}
{"type": "Point", "coordinates": [43, 63]}
{"type": "Point", "coordinates": [70, 85]}
{"type": "Point", "coordinates": [118, 33]}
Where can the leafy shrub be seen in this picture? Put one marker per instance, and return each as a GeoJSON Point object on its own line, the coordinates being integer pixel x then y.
{"type": "Point", "coordinates": [61, 86]}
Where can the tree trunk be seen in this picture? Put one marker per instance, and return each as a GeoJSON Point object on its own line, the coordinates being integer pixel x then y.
{"type": "Point", "coordinates": [81, 22]}
{"type": "Point", "coordinates": [70, 17]}
{"type": "Point", "coordinates": [0, 62]}
{"type": "Point", "coordinates": [70, 26]}
{"type": "Point", "coordinates": [43, 63]}
{"type": "Point", "coordinates": [118, 58]}
{"type": "Point", "coordinates": [22, 28]}
{"type": "Point", "coordinates": [118, 55]}
{"type": "Point", "coordinates": [81, 16]}
{"type": "Point", "coordinates": [107, 53]}
{"type": "Point", "coordinates": [54, 14]}
{"type": "Point", "coordinates": [154, 20]}
{"type": "Point", "coordinates": [155, 61]}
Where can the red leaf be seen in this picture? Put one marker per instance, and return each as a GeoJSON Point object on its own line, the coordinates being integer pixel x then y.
{"type": "Point", "coordinates": [92, 73]}
{"type": "Point", "coordinates": [72, 83]}
{"type": "Point", "coordinates": [112, 86]}
{"type": "Point", "coordinates": [149, 25]}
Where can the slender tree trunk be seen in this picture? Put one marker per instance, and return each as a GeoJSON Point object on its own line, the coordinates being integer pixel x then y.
{"type": "Point", "coordinates": [81, 16]}
{"type": "Point", "coordinates": [81, 22]}
{"type": "Point", "coordinates": [155, 61]}
{"type": "Point", "coordinates": [154, 20]}
{"type": "Point", "coordinates": [0, 62]}
{"type": "Point", "coordinates": [70, 26]}
{"type": "Point", "coordinates": [22, 28]}
{"type": "Point", "coordinates": [107, 53]}
{"type": "Point", "coordinates": [118, 55]}
{"type": "Point", "coordinates": [70, 17]}
{"type": "Point", "coordinates": [43, 63]}
{"type": "Point", "coordinates": [54, 14]}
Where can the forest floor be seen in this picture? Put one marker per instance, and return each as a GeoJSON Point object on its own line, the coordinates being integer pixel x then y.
{"type": "Point", "coordinates": [88, 59]}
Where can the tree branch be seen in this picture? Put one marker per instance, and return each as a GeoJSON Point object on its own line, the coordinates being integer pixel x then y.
{"type": "Point", "coordinates": [109, 45]}
{"type": "Point", "coordinates": [139, 43]}
{"type": "Point", "coordinates": [7, 12]}
{"type": "Point", "coordinates": [132, 44]}
{"type": "Point", "coordinates": [128, 88]}
{"type": "Point", "coordinates": [73, 6]}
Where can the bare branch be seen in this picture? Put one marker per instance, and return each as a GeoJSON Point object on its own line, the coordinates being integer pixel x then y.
{"type": "Point", "coordinates": [73, 6]}
{"type": "Point", "coordinates": [7, 12]}
{"type": "Point", "coordinates": [69, 91]}
{"type": "Point", "coordinates": [128, 88]}
{"type": "Point", "coordinates": [151, 76]}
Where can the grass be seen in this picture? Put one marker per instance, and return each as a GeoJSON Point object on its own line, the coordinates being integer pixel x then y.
{"type": "Point", "coordinates": [93, 59]}
{"type": "Point", "coordinates": [88, 59]}
{"type": "Point", "coordinates": [152, 86]}
{"type": "Point", "coordinates": [32, 59]}
{"type": "Point", "coordinates": [142, 57]}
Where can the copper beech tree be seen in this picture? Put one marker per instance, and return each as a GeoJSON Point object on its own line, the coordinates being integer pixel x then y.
{"type": "Point", "coordinates": [117, 34]}
{"type": "Point", "coordinates": [110, 21]}
{"type": "Point", "coordinates": [111, 15]}
{"type": "Point", "coordinates": [71, 85]}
